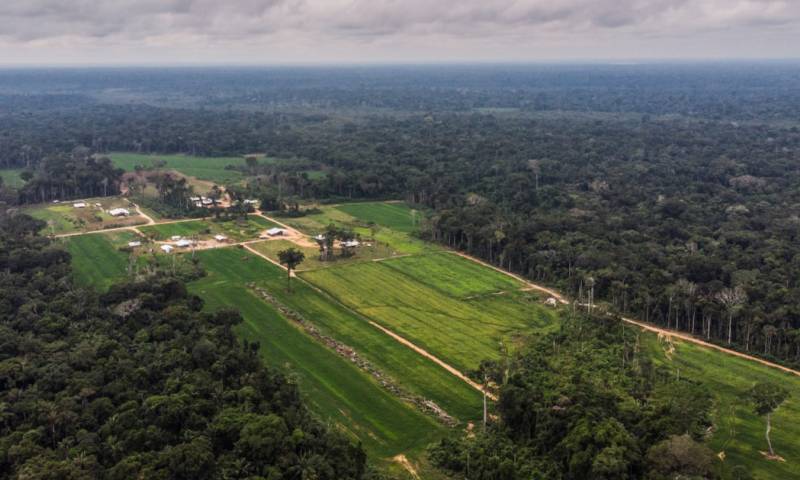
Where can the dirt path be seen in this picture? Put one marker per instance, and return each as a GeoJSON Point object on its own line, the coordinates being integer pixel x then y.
{"type": "Point", "coordinates": [452, 370]}
{"type": "Point", "coordinates": [147, 217]}
{"type": "Point", "coordinates": [644, 326]}
{"type": "Point", "coordinates": [403, 462]}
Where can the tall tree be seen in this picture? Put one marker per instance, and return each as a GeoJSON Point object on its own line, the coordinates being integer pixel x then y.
{"type": "Point", "coordinates": [766, 398]}
{"type": "Point", "coordinates": [291, 257]}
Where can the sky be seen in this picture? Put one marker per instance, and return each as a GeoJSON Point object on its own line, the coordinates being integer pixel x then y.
{"type": "Point", "coordinates": [169, 32]}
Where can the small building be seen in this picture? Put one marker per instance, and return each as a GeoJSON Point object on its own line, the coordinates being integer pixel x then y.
{"type": "Point", "coordinates": [350, 244]}
{"type": "Point", "coordinates": [275, 231]}
{"type": "Point", "coordinates": [207, 201]}
{"type": "Point", "coordinates": [320, 238]}
{"type": "Point", "coordinates": [175, 238]}
{"type": "Point", "coordinates": [99, 205]}
{"type": "Point", "coordinates": [220, 238]}
{"type": "Point", "coordinates": [183, 243]}
{"type": "Point", "coordinates": [134, 244]}
{"type": "Point", "coordinates": [251, 202]}
{"type": "Point", "coordinates": [198, 204]}
{"type": "Point", "coordinates": [551, 302]}
{"type": "Point", "coordinates": [79, 205]}
{"type": "Point", "coordinates": [119, 212]}
{"type": "Point", "coordinates": [167, 248]}
{"type": "Point", "coordinates": [194, 199]}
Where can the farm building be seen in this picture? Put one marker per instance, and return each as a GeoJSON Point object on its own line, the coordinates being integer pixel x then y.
{"type": "Point", "coordinates": [134, 244]}
{"type": "Point", "coordinates": [175, 238]}
{"type": "Point", "coordinates": [351, 243]}
{"type": "Point", "coordinates": [251, 202]}
{"type": "Point", "coordinates": [79, 205]}
{"type": "Point", "coordinates": [194, 199]}
{"type": "Point", "coordinates": [119, 212]}
{"type": "Point", "coordinates": [220, 238]}
{"type": "Point", "coordinates": [551, 302]}
{"type": "Point", "coordinates": [274, 232]}
{"type": "Point", "coordinates": [167, 248]}
{"type": "Point", "coordinates": [183, 243]}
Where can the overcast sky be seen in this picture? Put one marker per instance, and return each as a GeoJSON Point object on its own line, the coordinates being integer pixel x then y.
{"type": "Point", "coordinates": [346, 31]}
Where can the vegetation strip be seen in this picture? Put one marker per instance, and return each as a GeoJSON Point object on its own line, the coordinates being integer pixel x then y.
{"type": "Point", "coordinates": [426, 405]}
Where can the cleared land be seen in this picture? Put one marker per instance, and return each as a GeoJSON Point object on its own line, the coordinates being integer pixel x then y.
{"type": "Point", "coordinates": [235, 230]}
{"type": "Point", "coordinates": [210, 169]}
{"type": "Point", "coordinates": [375, 251]}
{"type": "Point", "coordinates": [335, 387]}
{"type": "Point", "coordinates": [11, 177]}
{"type": "Point", "coordinates": [739, 433]}
{"type": "Point", "coordinates": [397, 216]}
{"type": "Point", "coordinates": [64, 218]}
{"type": "Point", "coordinates": [460, 330]}
{"type": "Point", "coordinates": [97, 260]}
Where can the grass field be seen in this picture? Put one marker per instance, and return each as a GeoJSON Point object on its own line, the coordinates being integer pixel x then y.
{"type": "Point", "coordinates": [11, 177]}
{"type": "Point", "coordinates": [462, 331]}
{"type": "Point", "coordinates": [739, 432]}
{"type": "Point", "coordinates": [236, 230]}
{"type": "Point", "coordinates": [396, 216]}
{"type": "Point", "coordinates": [96, 259]}
{"type": "Point", "coordinates": [64, 218]}
{"type": "Point", "coordinates": [211, 169]}
{"type": "Point", "coordinates": [363, 253]}
{"type": "Point", "coordinates": [335, 388]}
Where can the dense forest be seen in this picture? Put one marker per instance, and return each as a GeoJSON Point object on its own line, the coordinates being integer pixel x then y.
{"type": "Point", "coordinates": [666, 191]}
{"type": "Point", "coordinates": [140, 383]}
{"type": "Point", "coordinates": [559, 419]}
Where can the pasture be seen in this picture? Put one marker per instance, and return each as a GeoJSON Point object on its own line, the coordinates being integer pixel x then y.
{"type": "Point", "coordinates": [235, 230]}
{"type": "Point", "coordinates": [96, 258]}
{"type": "Point", "coordinates": [460, 330]}
{"type": "Point", "coordinates": [739, 433]}
{"type": "Point", "coordinates": [363, 253]}
{"type": "Point", "coordinates": [211, 169]}
{"type": "Point", "coordinates": [335, 388]}
{"type": "Point", "coordinates": [65, 218]}
{"type": "Point", "coordinates": [396, 216]}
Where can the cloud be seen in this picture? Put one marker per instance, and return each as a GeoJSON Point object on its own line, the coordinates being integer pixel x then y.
{"type": "Point", "coordinates": [105, 25]}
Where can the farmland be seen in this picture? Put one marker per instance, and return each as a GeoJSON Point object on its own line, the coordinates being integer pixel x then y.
{"type": "Point", "coordinates": [372, 251]}
{"type": "Point", "coordinates": [334, 386]}
{"type": "Point", "coordinates": [64, 218]}
{"type": "Point", "coordinates": [236, 229]}
{"type": "Point", "coordinates": [463, 331]}
{"type": "Point", "coordinates": [454, 308]}
{"type": "Point", "coordinates": [396, 216]}
{"type": "Point", "coordinates": [211, 169]}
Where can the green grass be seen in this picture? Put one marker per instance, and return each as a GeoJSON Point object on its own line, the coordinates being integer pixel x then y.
{"type": "Point", "coordinates": [11, 177]}
{"type": "Point", "coordinates": [396, 216]}
{"type": "Point", "coordinates": [210, 169]}
{"type": "Point", "coordinates": [96, 259]}
{"type": "Point", "coordinates": [363, 253]}
{"type": "Point", "coordinates": [739, 432]}
{"type": "Point", "coordinates": [335, 388]}
{"type": "Point", "coordinates": [460, 331]}
{"type": "Point", "coordinates": [64, 218]}
{"type": "Point", "coordinates": [236, 230]}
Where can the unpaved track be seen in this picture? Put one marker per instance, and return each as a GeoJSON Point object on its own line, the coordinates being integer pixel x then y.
{"type": "Point", "coordinates": [644, 326]}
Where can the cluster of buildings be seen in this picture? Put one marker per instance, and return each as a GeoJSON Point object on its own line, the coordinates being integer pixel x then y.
{"type": "Point", "coordinates": [114, 212]}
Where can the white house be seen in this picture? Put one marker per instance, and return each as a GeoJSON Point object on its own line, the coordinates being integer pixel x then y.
{"type": "Point", "coordinates": [119, 212]}
{"type": "Point", "coordinates": [167, 248]}
{"type": "Point", "coordinates": [350, 243]}
{"type": "Point", "coordinates": [79, 205]}
{"type": "Point", "coordinates": [194, 199]}
{"type": "Point", "coordinates": [134, 244]}
{"type": "Point", "coordinates": [251, 202]}
{"type": "Point", "coordinates": [207, 201]}
{"type": "Point", "coordinates": [175, 238]}
{"type": "Point", "coordinates": [275, 231]}
{"type": "Point", "coordinates": [183, 243]}
{"type": "Point", "coordinates": [220, 238]}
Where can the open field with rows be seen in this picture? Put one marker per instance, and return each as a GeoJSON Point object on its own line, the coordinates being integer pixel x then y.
{"type": "Point", "coordinates": [211, 169]}
{"type": "Point", "coordinates": [235, 230]}
{"type": "Point", "coordinates": [335, 387]}
{"type": "Point", "coordinates": [97, 260]}
{"type": "Point", "coordinates": [462, 331]}
{"type": "Point", "coordinates": [396, 216]}
{"type": "Point", "coordinates": [64, 217]}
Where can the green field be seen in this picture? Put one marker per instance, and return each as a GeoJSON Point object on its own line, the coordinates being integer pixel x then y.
{"type": "Point", "coordinates": [396, 216]}
{"type": "Point", "coordinates": [236, 230]}
{"type": "Point", "coordinates": [11, 177]}
{"type": "Point", "coordinates": [96, 258]}
{"type": "Point", "coordinates": [462, 331]}
{"type": "Point", "coordinates": [64, 218]}
{"type": "Point", "coordinates": [210, 169]}
{"type": "Point", "coordinates": [336, 389]}
{"type": "Point", "coordinates": [738, 432]}
{"type": "Point", "coordinates": [363, 253]}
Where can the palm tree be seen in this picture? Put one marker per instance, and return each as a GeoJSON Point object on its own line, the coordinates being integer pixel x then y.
{"type": "Point", "coordinates": [291, 257]}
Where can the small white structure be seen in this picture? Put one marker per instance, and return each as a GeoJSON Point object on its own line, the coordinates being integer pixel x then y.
{"type": "Point", "coordinates": [56, 201]}
{"type": "Point", "coordinates": [79, 205]}
{"type": "Point", "coordinates": [194, 199]}
{"type": "Point", "coordinates": [184, 243]}
{"type": "Point", "coordinates": [198, 204]}
{"type": "Point", "coordinates": [320, 238]}
{"type": "Point", "coordinates": [251, 202]}
{"type": "Point", "coordinates": [167, 248]}
{"type": "Point", "coordinates": [99, 205]}
{"type": "Point", "coordinates": [551, 302]}
{"type": "Point", "coordinates": [119, 212]}
{"type": "Point", "coordinates": [220, 238]}
{"type": "Point", "coordinates": [207, 201]}
{"type": "Point", "coordinates": [350, 243]}
{"type": "Point", "coordinates": [275, 231]}
{"type": "Point", "coordinates": [175, 238]}
{"type": "Point", "coordinates": [134, 244]}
